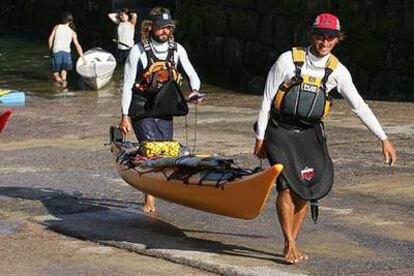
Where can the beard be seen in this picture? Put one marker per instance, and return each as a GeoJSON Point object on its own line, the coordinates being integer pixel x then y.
{"type": "Point", "coordinates": [160, 39]}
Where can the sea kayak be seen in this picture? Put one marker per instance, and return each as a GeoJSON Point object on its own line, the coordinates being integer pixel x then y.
{"type": "Point", "coordinates": [12, 97]}
{"type": "Point", "coordinates": [4, 117]}
{"type": "Point", "coordinates": [99, 68]}
{"type": "Point", "coordinates": [210, 184]}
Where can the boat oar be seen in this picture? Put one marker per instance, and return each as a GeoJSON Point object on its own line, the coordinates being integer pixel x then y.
{"type": "Point", "coordinates": [12, 97]}
{"type": "Point", "coordinates": [4, 118]}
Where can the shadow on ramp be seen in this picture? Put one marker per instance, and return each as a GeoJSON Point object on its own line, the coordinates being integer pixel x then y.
{"type": "Point", "coordinates": [104, 222]}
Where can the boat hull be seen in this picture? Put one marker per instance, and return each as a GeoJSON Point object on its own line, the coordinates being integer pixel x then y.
{"type": "Point", "coordinates": [99, 68]}
{"type": "Point", "coordinates": [4, 117]}
{"type": "Point", "coordinates": [98, 82]}
{"type": "Point", "coordinates": [12, 97]}
{"type": "Point", "coordinates": [242, 198]}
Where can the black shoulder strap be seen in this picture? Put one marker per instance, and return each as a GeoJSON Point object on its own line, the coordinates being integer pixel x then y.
{"type": "Point", "coordinates": [140, 66]}
{"type": "Point", "coordinates": [172, 47]}
{"type": "Point", "coordinates": [150, 54]}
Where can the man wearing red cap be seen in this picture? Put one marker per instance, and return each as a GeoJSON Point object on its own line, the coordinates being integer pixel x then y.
{"type": "Point", "coordinates": [290, 130]}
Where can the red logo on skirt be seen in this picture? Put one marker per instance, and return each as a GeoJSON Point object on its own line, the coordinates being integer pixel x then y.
{"type": "Point", "coordinates": [307, 173]}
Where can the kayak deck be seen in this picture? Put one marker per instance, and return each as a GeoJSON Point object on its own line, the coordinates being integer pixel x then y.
{"type": "Point", "coordinates": [242, 197]}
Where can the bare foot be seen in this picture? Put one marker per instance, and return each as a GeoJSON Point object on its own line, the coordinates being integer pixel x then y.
{"type": "Point", "coordinates": [149, 204]}
{"type": "Point", "coordinates": [303, 256]}
{"type": "Point", "coordinates": [292, 255]}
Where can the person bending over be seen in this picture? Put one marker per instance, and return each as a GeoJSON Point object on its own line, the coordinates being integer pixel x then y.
{"type": "Point", "coordinates": [60, 40]}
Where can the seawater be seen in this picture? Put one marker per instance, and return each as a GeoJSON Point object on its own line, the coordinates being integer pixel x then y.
{"type": "Point", "coordinates": [25, 66]}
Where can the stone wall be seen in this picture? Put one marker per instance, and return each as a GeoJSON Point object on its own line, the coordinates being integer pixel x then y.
{"type": "Point", "coordinates": [237, 41]}
{"type": "Point", "coordinates": [90, 16]}
{"type": "Point", "coordinates": [39, 17]}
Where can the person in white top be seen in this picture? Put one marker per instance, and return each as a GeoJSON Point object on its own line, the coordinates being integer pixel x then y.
{"type": "Point", "coordinates": [151, 69]}
{"type": "Point", "coordinates": [126, 22]}
{"type": "Point", "coordinates": [59, 42]}
{"type": "Point", "coordinates": [285, 135]}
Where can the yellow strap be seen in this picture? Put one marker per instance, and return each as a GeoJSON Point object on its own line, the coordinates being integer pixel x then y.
{"type": "Point", "coordinates": [4, 92]}
{"type": "Point", "coordinates": [298, 54]}
{"type": "Point", "coordinates": [326, 109]}
{"type": "Point", "coordinates": [332, 62]}
{"type": "Point", "coordinates": [278, 99]}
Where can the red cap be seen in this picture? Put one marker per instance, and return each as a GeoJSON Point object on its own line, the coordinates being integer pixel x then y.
{"type": "Point", "coordinates": [328, 24]}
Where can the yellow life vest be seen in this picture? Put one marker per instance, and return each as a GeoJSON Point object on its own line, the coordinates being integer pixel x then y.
{"type": "Point", "coordinates": [304, 97]}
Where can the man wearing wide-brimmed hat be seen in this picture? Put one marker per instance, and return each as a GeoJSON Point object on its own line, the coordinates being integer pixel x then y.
{"type": "Point", "coordinates": [290, 130]}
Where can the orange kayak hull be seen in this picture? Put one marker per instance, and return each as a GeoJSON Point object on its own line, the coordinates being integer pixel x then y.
{"type": "Point", "coordinates": [242, 198]}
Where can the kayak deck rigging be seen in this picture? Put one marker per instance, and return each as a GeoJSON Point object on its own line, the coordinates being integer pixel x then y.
{"type": "Point", "coordinates": [208, 183]}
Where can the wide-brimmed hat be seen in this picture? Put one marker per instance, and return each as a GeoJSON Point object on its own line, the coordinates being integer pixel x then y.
{"type": "Point", "coordinates": [163, 20]}
{"type": "Point", "coordinates": [326, 24]}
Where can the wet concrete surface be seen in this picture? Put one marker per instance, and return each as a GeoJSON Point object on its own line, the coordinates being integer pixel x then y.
{"type": "Point", "coordinates": [32, 250]}
{"type": "Point", "coordinates": [57, 171]}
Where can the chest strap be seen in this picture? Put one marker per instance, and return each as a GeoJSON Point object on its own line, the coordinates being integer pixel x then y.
{"type": "Point", "coordinates": [172, 46]}
{"type": "Point", "coordinates": [299, 53]}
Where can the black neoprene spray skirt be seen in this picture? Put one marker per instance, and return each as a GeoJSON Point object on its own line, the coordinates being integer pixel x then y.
{"type": "Point", "coordinates": [308, 168]}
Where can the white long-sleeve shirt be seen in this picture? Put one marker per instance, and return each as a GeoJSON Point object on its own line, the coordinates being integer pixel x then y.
{"type": "Point", "coordinates": [160, 50]}
{"type": "Point", "coordinates": [284, 69]}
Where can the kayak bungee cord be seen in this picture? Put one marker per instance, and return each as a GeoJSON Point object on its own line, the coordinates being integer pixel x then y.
{"type": "Point", "coordinates": [220, 176]}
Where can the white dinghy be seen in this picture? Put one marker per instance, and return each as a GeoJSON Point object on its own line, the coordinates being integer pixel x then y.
{"type": "Point", "coordinates": [99, 68]}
